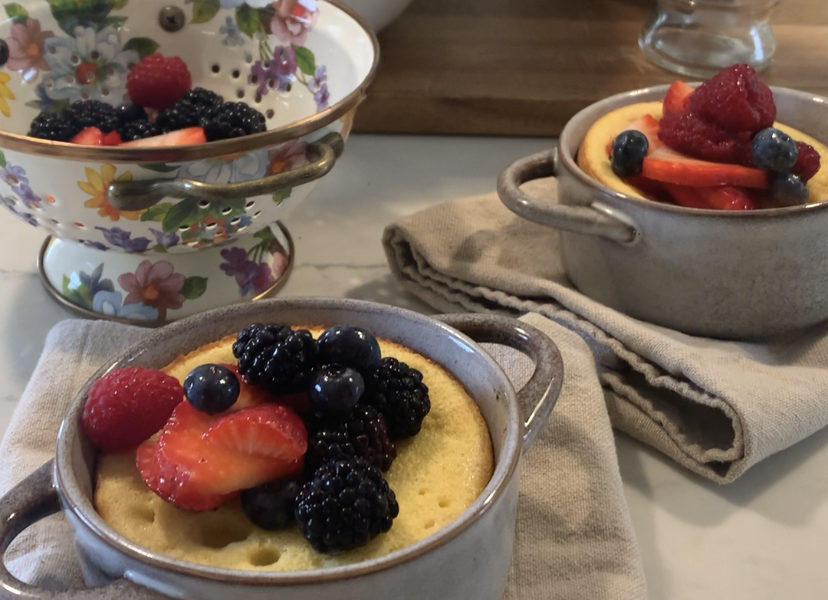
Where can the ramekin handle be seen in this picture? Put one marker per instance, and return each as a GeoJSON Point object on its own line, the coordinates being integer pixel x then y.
{"type": "Point", "coordinates": [31, 500]}
{"type": "Point", "coordinates": [539, 395]}
{"type": "Point", "coordinates": [596, 218]}
{"type": "Point", "coordinates": [143, 193]}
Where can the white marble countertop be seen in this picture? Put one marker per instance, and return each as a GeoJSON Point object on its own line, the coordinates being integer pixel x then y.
{"type": "Point", "coordinates": [763, 537]}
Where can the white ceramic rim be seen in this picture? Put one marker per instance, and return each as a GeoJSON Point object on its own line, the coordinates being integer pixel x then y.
{"type": "Point", "coordinates": [74, 499]}
{"type": "Point", "coordinates": [648, 94]}
{"type": "Point", "coordinates": [273, 137]}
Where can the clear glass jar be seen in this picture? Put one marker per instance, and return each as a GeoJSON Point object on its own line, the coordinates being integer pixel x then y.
{"type": "Point", "coordinates": [700, 37]}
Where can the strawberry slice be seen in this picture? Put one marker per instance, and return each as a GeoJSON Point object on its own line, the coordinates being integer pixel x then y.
{"type": "Point", "coordinates": [171, 481]}
{"type": "Point", "coordinates": [646, 124]}
{"type": "Point", "coordinates": [199, 460]}
{"type": "Point", "coordinates": [671, 167]}
{"type": "Point", "coordinates": [113, 138]}
{"type": "Point", "coordinates": [725, 197]}
{"type": "Point", "coordinates": [267, 430]}
{"type": "Point", "coordinates": [179, 137]}
{"type": "Point", "coordinates": [676, 98]}
{"type": "Point", "coordinates": [88, 136]}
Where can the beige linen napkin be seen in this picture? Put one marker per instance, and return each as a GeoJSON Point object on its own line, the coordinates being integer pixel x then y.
{"type": "Point", "coordinates": [574, 538]}
{"type": "Point", "coordinates": [715, 407]}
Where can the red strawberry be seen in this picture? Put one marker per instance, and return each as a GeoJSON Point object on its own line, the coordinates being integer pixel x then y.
{"type": "Point", "coordinates": [179, 137]}
{"type": "Point", "coordinates": [671, 167]}
{"type": "Point", "coordinates": [113, 138]}
{"type": "Point", "coordinates": [675, 100]}
{"type": "Point", "coordinates": [88, 136]}
{"type": "Point", "coordinates": [169, 480]}
{"type": "Point", "coordinates": [158, 81]}
{"type": "Point", "coordinates": [199, 460]}
{"type": "Point", "coordinates": [126, 406]}
{"type": "Point", "coordinates": [267, 430]}
{"type": "Point", "coordinates": [725, 197]}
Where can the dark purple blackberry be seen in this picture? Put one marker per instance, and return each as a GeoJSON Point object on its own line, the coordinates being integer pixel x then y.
{"type": "Point", "coordinates": [178, 116]}
{"type": "Point", "coordinates": [344, 505]}
{"type": "Point", "coordinates": [351, 346]}
{"type": "Point", "coordinates": [398, 392]}
{"type": "Point", "coordinates": [206, 100]}
{"type": "Point", "coordinates": [233, 119]}
{"type": "Point", "coordinates": [362, 433]}
{"type": "Point", "coordinates": [52, 126]}
{"type": "Point", "coordinates": [271, 505]}
{"type": "Point", "coordinates": [138, 130]}
{"type": "Point", "coordinates": [276, 357]}
{"type": "Point", "coordinates": [93, 113]}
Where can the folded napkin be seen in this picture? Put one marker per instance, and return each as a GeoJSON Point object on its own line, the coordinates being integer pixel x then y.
{"type": "Point", "coordinates": [716, 407]}
{"type": "Point", "coordinates": [574, 538]}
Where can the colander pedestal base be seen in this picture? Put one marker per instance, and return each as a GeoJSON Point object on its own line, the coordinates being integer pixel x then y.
{"type": "Point", "coordinates": [154, 287]}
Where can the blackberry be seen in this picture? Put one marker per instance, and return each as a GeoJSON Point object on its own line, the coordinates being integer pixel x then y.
{"type": "Point", "coordinates": [398, 392]}
{"type": "Point", "coordinates": [204, 99]}
{"type": "Point", "coordinates": [362, 433]}
{"type": "Point", "coordinates": [627, 153]}
{"type": "Point", "coordinates": [137, 130]}
{"type": "Point", "coordinates": [271, 505]}
{"type": "Point", "coordinates": [344, 505]}
{"type": "Point", "coordinates": [52, 126]}
{"type": "Point", "coordinates": [178, 116]}
{"type": "Point", "coordinates": [93, 113]}
{"type": "Point", "coordinates": [276, 357]}
{"type": "Point", "coordinates": [232, 119]}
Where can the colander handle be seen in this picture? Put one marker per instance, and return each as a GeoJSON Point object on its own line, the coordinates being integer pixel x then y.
{"type": "Point", "coordinates": [143, 193]}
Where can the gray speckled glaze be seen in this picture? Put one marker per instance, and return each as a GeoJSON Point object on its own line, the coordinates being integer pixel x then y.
{"type": "Point", "coordinates": [468, 559]}
{"type": "Point", "coordinates": [727, 274]}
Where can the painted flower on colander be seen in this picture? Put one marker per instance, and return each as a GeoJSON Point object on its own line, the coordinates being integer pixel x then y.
{"type": "Point", "coordinates": [293, 19]}
{"type": "Point", "coordinates": [25, 42]}
{"type": "Point", "coordinates": [252, 278]}
{"type": "Point", "coordinates": [155, 284]}
{"type": "Point", "coordinates": [15, 177]}
{"type": "Point", "coordinates": [5, 94]}
{"type": "Point", "coordinates": [92, 65]}
{"type": "Point", "coordinates": [96, 185]}
{"type": "Point", "coordinates": [121, 238]}
{"type": "Point", "coordinates": [279, 72]}
{"type": "Point", "coordinates": [288, 156]}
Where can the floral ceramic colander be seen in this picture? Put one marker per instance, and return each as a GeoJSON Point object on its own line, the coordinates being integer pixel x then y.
{"type": "Point", "coordinates": [152, 234]}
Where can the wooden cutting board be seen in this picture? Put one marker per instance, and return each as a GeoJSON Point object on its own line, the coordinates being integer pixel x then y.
{"type": "Point", "coordinates": [523, 67]}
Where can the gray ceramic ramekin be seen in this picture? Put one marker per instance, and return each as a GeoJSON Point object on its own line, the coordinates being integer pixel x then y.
{"type": "Point", "coordinates": [726, 274]}
{"type": "Point", "coordinates": [469, 558]}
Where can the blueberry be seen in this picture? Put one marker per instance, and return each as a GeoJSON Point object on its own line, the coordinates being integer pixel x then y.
{"type": "Point", "coordinates": [628, 151]}
{"type": "Point", "coordinates": [787, 190]}
{"type": "Point", "coordinates": [271, 505]}
{"type": "Point", "coordinates": [335, 389]}
{"type": "Point", "coordinates": [131, 112]}
{"type": "Point", "coordinates": [351, 346]}
{"type": "Point", "coordinates": [773, 150]}
{"type": "Point", "coordinates": [211, 388]}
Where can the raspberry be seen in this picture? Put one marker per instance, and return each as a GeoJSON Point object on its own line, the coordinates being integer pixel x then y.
{"type": "Point", "coordinates": [344, 505]}
{"type": "Point", "coordinates": [691, 135]}
{"type": "Point", "coordinates": [735, 99]}
{"type": "Point", "coordinates": [807, 161]}
{"type": "Point", "coordinates": [126, 406]}
{"type": "Point", "coordinates": [157, 81]}
{"type": "Point", "coordinates": [398, 392]}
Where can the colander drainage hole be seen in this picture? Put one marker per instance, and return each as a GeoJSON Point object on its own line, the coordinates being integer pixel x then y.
{"type": "Point", "coordinates": [203, 203]}
{"type": "Point", "coordinates": [250, 204]}
{"type": "Point", "coordinates": [269, 113]}
{"type": "Point", "coordinates": [215, 68]}
{"type": "Point", "coordinates": [240, 93]}
{"type": "Point", "coordinates": [236, 74]}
